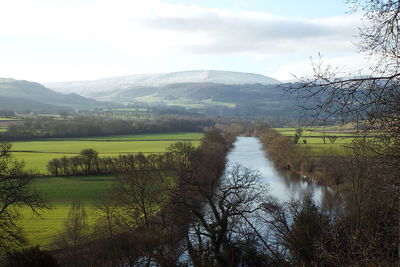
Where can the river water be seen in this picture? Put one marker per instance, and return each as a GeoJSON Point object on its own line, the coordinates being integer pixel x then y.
{"type": "Point", "coordinates": [284, 186]}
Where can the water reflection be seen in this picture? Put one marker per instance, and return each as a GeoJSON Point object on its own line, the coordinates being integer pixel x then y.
{"type": "Point", "coordinates": [248, 151]}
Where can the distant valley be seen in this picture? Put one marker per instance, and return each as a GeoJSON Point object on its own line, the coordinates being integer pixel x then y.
{"type": "Point", "coordinates": [231, 92]}
{"type": "Point", "coordinates": [209, 92]}
{"type": "Point", "coordinates": [160, 79]}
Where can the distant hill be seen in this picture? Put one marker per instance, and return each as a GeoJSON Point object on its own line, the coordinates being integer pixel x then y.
{"type": "Point", "coordinates": [19, 94]}
{"type": "Point", "coordinates": [210, 91]}
{"type": "Point", "coordinates": [161, 79]}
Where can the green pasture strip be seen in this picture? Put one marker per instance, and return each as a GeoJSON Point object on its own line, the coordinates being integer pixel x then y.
{"type": "Point", "coordinates": [101, 147]}
{"type": "Point", "coordinates": [323, 149]}
{"type": "Point", "coordinates": [138, 137]}
{"type": "Point", "coordinates": [9, 119]}
{"type": "Point", "coordinates": [60, 192]}
{"type": "Point", "coordinates": [37, 154]}
{"type": "Point", "coordinates": [284, 129]}
{"type": "Point", "coordinates": [315, 142]}
{"type": "Point", "coordinates": [125, 109]}
{"type": "Point", "coordinates": [149, 98]}
{"type": "Point", "coordinates": [328, 130]}
{"type": "Point", "coordinates": [212, 102]}
{"type": "Point", "coordinates": [319, 140]}
{"type": "Point", "coordinates": [38, 161]}
{"type": "Point", "coordinates": [305, 133]}
{"type": "Point", "coordinates": [43, 230]}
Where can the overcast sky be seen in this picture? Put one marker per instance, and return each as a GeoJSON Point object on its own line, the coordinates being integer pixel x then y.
{"type": "Point", "coordinates": [60, 40]}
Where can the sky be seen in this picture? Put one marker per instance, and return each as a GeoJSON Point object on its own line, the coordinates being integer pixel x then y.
{"type": "Point", "coordinates": [63, 40]}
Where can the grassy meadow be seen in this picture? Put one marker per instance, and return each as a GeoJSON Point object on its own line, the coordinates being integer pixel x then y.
{"type": "Point", "coordinates": [8, 119]}
{"type": "Point", "coordinates": [37, 154]}
{"type": "Point", "coordinates": [314, 138]}
{"type": "Point", "coordinates": [61, 191]}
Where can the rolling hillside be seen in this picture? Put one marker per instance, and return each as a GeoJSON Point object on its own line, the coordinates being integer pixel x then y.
{"type": "Point", "coordinates": [202, 89]}
{"type": "Point", "coordinates": [19, 95]}
{"type": "Point", "coordinates": [159, 80]}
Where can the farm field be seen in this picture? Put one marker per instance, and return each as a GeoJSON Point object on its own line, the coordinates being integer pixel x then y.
{"type": "Point", "coordinates": [8, 119]}
{"type": "Point", "coordinates": [305, 133]}
{"type": "Point", "coordinates": [60, 192]}
{"type": "Point", "coordinates": [37, 154]}
{"type": "Point", "coordinates": [140, 137]}
{"type": "Point", "coordinates": [315, 142]}
{"type": "Point", "coordinates": [184, 102]}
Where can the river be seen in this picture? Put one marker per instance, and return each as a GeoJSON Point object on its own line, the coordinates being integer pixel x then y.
{"type": "Point", "coordinates": [249, 152]}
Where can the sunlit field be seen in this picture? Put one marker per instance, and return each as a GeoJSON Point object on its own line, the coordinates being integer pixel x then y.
{"type": "Point", "coordinates": [60, 192]}
{"type": "Point", "coordinates": [313, 138]}
{"type": "Point", "coordinates": [36, 154]}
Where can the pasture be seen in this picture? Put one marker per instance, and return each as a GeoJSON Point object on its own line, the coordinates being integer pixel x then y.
{"type": "Point", "coordinates": [8, 119]}
{"type": "Point", "coordinates": [335, 138]}
{"type": "Point", "coordinates": [60, 192]}
{"type": "Point", "coordinates": [36, 154]}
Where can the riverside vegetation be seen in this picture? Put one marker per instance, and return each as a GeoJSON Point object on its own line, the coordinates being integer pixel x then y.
{"type": "Point", "coordinates": [154, 208]}
{"type": "Point", "coordinates": [186, 207]}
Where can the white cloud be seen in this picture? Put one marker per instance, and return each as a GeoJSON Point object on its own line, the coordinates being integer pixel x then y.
{"type": "Point", "coordinates": [155, 31]}
{"type": "Point", "coordinates": [156, 28]}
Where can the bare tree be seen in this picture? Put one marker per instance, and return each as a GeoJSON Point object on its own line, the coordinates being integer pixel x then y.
{"type": "Point", "coordinates": [374, 97]}
{"type": "Point", "coordinates": [219, 211]}
{"type": "Point", "coordinates": [76, 226]}
{"type": "Point", "coordinates": [139, 193]}
{"type": "Point", "coordinates": [89, 158]}
{"type": "Point", "coordinates": [332, 138]}
{"type": "Point", "coordinates": [76, 232]}
{"type": "Point", "coordinates": [371, 99]}
{"type": "Point", "coordinates": [15, 192]}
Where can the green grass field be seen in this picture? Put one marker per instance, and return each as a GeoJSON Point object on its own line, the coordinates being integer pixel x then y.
{"type": "Point", "coordinates": [37, 154]}
{"type": "Point", "coordinates": [59, 192]}
{"type": "Point", "coordinates": [8, 119]}
{"type": "Point", "coordinates": [315, 141]}
{"type": "Point", "coordinates": [43, 229]}
{"type": "Point", "coordinates": [314, 132]}
{"type": "Point", "coordinates": [140, 137]}
{"type": "Point", "coordinates": [124, 109]}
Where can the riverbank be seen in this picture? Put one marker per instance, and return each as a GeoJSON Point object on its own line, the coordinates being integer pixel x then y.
{"type": "Point", "coordinates": [283, 185]}
{"type": "Point", "coordinates": [323, 169]}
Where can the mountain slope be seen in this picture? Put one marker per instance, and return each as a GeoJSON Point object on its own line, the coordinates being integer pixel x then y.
{"type": "Point", "coordinates": [161, 79]}
{"type": "Point", "coordinates": [18, 94]}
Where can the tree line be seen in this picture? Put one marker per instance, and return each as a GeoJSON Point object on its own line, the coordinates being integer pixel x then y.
{"type": "Point", "coordinates": [187, 207]}
{"type": "Point", "coordinates": [7, 113]}
{"type": "Point", "coordinates": [145, 217]}
{"type": "Point", "coordinates": [83, 127]}
{"type": "Point", "coordinates": [217, 215]}
{"type": "Point", "coordinates": [364, 228]}
{"type": "Point", "coordinates": [88, 162]}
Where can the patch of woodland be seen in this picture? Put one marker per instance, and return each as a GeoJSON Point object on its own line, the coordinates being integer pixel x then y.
{"type": "Point", "coordinates": [38, 128]}
{"type": "Point", "coordinates": [146, 215]}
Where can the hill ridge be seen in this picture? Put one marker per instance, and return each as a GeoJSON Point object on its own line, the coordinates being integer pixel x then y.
{"type": "Point", "coordinates": [161, 79]}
